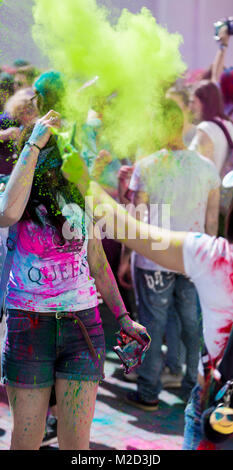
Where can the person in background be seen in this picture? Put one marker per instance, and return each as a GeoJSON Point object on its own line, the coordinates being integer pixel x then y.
{"type": "Point", "coordinates": [223, 76]}
{"type": "Point", "coordinates": [206, 103]}
{"type": "Point", "coordinates": [25, 76]}
{"type": "Point", "coordinates": [104, 167]}
{"type": "Point", "coordinates": [9, 127]}
{"type": "Point", "coordinates": [189, 184]}
{"type": "Point", "coordinates": [21, 108]}
{"type": "Point", "coordinates": [205, 259]}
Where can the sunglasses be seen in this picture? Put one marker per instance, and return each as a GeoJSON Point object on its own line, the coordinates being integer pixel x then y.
{"type": "Point", "coordinates": [219, 416]}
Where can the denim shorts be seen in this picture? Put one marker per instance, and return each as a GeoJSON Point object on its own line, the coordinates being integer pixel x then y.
{"type": "Point", "coordinates": [38, 349]}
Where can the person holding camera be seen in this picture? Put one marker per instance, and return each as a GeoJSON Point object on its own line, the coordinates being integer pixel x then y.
{"type": "Point", "coordinates": [220, 75]}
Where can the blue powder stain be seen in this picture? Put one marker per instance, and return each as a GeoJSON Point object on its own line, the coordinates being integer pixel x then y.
{"type": "Point", "coordinates": [103, 421]}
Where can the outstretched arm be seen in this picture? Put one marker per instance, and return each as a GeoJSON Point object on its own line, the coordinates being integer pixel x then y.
{"type": "Point", "coordinates": [161, 246]}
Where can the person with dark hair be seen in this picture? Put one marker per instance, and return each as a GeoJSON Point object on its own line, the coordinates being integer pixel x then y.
{"type": "Point", "coordinates": [207, 106]}
{"type": "Point", "coordinates": [25, 76]}
{"type": "Point", "coordinates": [49, 89]}
{"type": "Point", "coordinates": [54, 334]}
{"type": "Point", "coordinates": [188, 184]}
{"type": "Point", "coordinates": [207, 260]}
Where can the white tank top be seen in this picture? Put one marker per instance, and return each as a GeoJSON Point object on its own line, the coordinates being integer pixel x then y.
{"type": "Point", "coordinates": [218, 138]}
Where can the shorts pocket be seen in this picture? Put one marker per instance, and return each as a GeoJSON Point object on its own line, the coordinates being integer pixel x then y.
{"type": "Point", "coordinates": [18, 325]}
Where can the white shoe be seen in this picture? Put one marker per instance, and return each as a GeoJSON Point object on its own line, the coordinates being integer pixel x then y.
{"type": "Point", "coordinates": [170, 380]}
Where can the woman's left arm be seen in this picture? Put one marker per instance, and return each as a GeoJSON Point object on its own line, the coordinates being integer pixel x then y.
{"type": "Point", "coordinates": [107, 286]}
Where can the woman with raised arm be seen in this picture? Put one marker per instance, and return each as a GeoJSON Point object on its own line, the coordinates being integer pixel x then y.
{"type": "Point", "coordinates": [207, 260]}
{"type": "Point", "coordinates": [54, 332]}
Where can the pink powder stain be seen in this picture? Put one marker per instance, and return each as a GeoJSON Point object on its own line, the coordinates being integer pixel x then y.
{"type": "Point", "coordinates": [92, 291]}
{"type": "Point", "coordinates": [158, 444]}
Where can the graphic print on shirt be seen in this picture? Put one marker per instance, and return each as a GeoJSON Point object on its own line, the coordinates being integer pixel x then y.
{"type": "Point", "coordinates": [48, 272]}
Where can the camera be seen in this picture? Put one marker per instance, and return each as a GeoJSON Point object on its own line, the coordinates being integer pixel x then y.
{"type": "Point", "coordinates": [130, 352]}
{"type": "Point", "coordinates": [228, 22]}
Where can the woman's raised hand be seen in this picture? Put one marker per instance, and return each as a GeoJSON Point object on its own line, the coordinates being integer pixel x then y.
{"type": "Point", "coordinates": [43, 128]}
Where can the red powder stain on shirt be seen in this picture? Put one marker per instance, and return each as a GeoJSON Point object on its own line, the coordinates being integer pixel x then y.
{"type": "Point", "coordinates": [220, 262]}
{"type": "Point", "coordinates": [224, 333]}
{"type": "Point", "coordinates": [231, 278]}
{"type": "Point", "coordinates": [226, 329]}
{"type": "Point", "coordinates": [206, 445]}
{"type": "Point", "coordinates": [30, 349]}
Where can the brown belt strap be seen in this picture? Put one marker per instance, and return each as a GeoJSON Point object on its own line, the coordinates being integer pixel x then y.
{"type": "Point", "coordinates": [82, 327]}
{"type": "Point", "coordinates": [86, 336]}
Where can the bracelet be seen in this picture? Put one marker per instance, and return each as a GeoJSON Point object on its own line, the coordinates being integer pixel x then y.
{"type": "Point", "coordinates": [31, 144]}
{"type": "Point", "coordinates": [123, 315]}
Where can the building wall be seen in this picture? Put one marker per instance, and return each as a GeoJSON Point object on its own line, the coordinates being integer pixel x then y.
{"type": "Point", "coordinates": [193, 19]}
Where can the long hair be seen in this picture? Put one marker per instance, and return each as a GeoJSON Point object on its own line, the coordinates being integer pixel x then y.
{"type": "Point", "coordinates": [212, 101]}
{"type": "Point", "coordinates": [47, 184]}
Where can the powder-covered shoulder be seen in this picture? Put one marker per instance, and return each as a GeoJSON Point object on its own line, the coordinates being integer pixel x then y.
{"type": "Point", "coordinates": [200, 251]}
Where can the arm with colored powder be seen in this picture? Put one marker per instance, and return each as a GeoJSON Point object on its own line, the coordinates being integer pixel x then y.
{"type": "Point", "coordinates": [107, 286]}
{"type": "Point", "coordinates": [12, 133]}
{"type": "Point", "coordinates": [162, 246]}
{"type": "Point", "coordinates": [18, 188]}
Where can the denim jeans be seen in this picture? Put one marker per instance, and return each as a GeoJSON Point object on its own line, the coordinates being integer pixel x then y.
{"type": "Point", "coordinates": [175, 356]}
{"type": "Point", "coordinates": [156, 292]}
{"type": "Point", "coordinates": [176, 353]}
{"type": "Point", "coordinates": [193, 435]}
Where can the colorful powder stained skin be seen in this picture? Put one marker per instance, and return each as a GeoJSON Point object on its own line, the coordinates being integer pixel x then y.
{"type": "Point", "coordinates": [137, 60]}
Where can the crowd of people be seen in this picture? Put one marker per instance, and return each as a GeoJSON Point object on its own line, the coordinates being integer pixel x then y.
{"type": "Point", "coordinates": [53, 352]}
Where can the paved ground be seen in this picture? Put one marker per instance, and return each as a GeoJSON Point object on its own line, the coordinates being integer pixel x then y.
{"type": "Point", "coordinates": [117, 425]}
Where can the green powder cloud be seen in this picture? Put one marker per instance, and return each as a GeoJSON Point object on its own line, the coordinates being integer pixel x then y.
{"type": "Point", "coordinates": [136, 60]}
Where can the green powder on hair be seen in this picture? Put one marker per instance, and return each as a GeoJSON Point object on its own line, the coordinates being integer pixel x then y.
{"type": "Point", "coordinates": [135, 59]}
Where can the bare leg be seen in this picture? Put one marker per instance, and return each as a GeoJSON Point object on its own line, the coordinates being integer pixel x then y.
{"type": "Point", "coordinates": [29, 408]}
{"type": "Point", "coordinates": [75, 405]}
